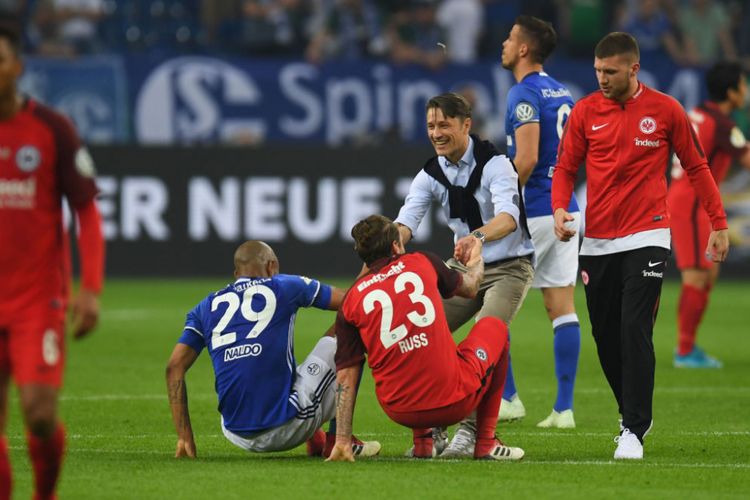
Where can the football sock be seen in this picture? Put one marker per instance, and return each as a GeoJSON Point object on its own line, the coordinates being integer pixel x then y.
{"type": "Point", "coordinates": [422, 443]}
{"type": "Point", "coordinates": [692, 305]}
{"type": "Point", "coordinates": [567, 347]}
{"type": "Point", "coordinates": [488, 408]}
{"type": "Point", "coordinates": [46, 460]}
{"type": "Point", "coordinates": [5, 476]}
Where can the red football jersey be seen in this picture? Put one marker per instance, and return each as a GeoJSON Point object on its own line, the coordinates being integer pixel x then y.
{"type": "Point", "coordinates": [41, 160]}
{"type": "Point", "coordinates": [395, 315]}
{"type": "Point", "coordinates": [721, 139]}
{"type": "Point", "coordinates": [626, 148]}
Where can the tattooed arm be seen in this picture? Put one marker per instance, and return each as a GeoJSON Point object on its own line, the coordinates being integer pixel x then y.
{"type": "Point", "coordinates": [181, 360]}
{"type": "Point", "coordinates": [346, 395]}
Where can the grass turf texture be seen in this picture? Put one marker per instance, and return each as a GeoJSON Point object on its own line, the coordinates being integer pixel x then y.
{"type": "Point", "coordinates": [121, 440]}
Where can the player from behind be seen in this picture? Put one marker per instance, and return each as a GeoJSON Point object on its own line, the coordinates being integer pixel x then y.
{"type": "Point", "coordinates": [41, 161]}
{"type": "Point", "coordinates": [722, 142]}
{"type": "Point", "coordinates": [267, 403]}
{"type": "Point", "coordinates": [394, 316]}
{"type": "Point", "coordinates": [538, 106]}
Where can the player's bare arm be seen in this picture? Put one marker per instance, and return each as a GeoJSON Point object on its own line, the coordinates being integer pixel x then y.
{"type": "Point", "coordinates": [179, 363]}
{"type": "Point", "coordinates": [497, 228]}
{"type": "Point", "coordinates": [562, 232]}
{"type": "Point", "coordinates": [718, 245]}
{"type": "Point", "coordinates": [473, 277]}
{"type": "Point", "coordinates": [337, 297]}
{"type": "Point", "coordinates": [346, 395]}
{"type": "Point", "coordinates": [527, 150]}
{"type": "Point", "coordinates": [85, 312]}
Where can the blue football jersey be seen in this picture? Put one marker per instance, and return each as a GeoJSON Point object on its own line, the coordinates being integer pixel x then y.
{"type": "Point", "coordinates": [539, 98]}
{"type": "Point", "coordinates": [248, 329]}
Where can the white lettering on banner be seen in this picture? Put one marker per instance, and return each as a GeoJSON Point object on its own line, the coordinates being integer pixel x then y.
{"type": "Point", "coordinates": [210, 209]}
{"type": "Point", "coordinates": [383, 97]}
{"type": "Point", "coordinates": [360, 198]}
{"type": "Point", "coordinates": [264, 209]}
{"type": "Point", "coordinates": [290, 83]}
{"type": "Point", "coordinates": [360, 121]}
{"type": "Point", "coordinates": [303, 226]}
{"type": "Point", "coordinates": [143, 201]}
{"type": "Point", "coordinates": [410, 123]}
{"type": "Point", "coordinates": [107, 205]}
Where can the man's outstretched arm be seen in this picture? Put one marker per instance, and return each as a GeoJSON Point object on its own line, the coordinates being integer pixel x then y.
{"type": "Point", "coordinates": [179, 363]}
{"type": "Point", "coordinates": [346, 395]}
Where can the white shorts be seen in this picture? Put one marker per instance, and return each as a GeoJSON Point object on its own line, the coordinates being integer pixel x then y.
{"type": "Point", "coordinates": [556, 261]}
{"type": "Point", "coordinates": [314, 396]}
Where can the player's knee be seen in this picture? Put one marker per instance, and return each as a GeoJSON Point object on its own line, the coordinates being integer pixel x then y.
{"type": "Point", "coordinates": [497, 327]}
{"type": "Point", "coordinates": [40, 424]}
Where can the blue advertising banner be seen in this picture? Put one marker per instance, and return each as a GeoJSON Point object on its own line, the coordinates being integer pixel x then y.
{"type": "Point", "coordinates": [92, 91]}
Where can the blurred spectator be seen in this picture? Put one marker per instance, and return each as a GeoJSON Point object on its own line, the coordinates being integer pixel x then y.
{"type": "Point", "coordinates": [78, 23]}
{"type": "Point", "coordinates": [12, 6]}
{"type": "Point", "coordinates": [43, 32]}
{"type": "Point", "coordinates": [583, 23]}
{"type": "Point", "coordinates": [351, 29]}
{"type": "Point", "coordinates": [706, 29]}
{"type": "Point", "coordinates": [415, 37]}
{"type": "Point", "coordinates": [214, 13]}
{"type": "Point", "coordinates": [262, 27]}
{"type": "Point", "coordinates": [649, 24]}
{"type": "Point", "coordinates": [461, 21]}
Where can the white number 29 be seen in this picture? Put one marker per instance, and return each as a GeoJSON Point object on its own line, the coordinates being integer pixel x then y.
{"type": "Point", "coordinates": [262, 317]}
{"type": "Point", "coordinates": [563, 112]}
{"type": "Point", "coordinates": [390, 336]}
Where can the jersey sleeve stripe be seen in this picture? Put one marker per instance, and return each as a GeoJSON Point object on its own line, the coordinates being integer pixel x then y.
{"type": "Point", "coordinates": [315, 295]}
{"type": "Point", "coordinates": [195, 330]}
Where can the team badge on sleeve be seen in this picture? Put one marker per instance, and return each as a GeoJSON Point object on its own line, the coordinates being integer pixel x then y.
{"type": "Point", "coordinates": [524, 112]}
{"type": "Point", "coordinates": [737, 138]}
{"type": "Point", "coordinates": [28, 158]}
{"type": "Point", "coordinates": [481, 354]}
{"type": "Point", "coordinates": [84, 163]}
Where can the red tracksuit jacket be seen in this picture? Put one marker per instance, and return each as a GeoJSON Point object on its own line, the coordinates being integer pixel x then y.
{"type": "Point", "coordinates": [626, 147]}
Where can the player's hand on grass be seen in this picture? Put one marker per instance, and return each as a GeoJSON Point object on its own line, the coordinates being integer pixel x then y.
{"type": "Point", "coordinates": [562, 232]}
{"type": "Point", "coordinates": [341, 452]}
{"type": "Point", "coordinates": [718, 245]}
{"type": "Point", "coordinates": [466, 249]}
{"type": "Point", "coordinates": [185, 448]}
{"type": "Point", "coordinates": [85, 308]}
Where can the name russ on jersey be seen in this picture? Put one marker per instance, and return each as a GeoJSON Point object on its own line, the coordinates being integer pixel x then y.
{"type": "Point", "coordinates": [413, 342]}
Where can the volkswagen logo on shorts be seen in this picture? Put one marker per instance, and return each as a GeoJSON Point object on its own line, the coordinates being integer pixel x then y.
{"type": "Point", "coordinates": [28, 158]}
{"type": "Point", "coordinates": [481, 354]}
{"type": "Point", "coordinates": [313, 368]}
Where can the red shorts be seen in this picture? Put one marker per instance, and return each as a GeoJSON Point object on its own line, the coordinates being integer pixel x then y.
{"type": "Point", "coordinates": [478, 356]}
{"type": "Point", "coordinates": [32, 347]}
{"type": "Point", "coordinates": [690, 227]}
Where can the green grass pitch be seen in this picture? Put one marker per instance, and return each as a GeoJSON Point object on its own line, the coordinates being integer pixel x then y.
{"type": "Point", "coordinates": [121, 440]}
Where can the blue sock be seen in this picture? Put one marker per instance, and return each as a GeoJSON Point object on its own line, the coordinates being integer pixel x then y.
{"type": "Point", "coordinates": [567, 347]}
{"type": "Point", "coordinates": [332, 422]}
{"type": "Point", "coordinates": [510, 384]}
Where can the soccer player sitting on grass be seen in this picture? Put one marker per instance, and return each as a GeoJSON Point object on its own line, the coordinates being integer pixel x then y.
{"type": "Point", "coordinates": [394, 315]}
{"type": "Point", "coordinates": [267, 403]}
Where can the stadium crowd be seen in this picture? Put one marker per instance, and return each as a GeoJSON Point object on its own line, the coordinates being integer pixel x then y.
{"type": "Point", "coordinates": [691, 32]}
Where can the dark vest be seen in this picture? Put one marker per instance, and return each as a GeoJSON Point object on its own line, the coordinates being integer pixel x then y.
{"type": "Point", "coordinates": [461, 199]}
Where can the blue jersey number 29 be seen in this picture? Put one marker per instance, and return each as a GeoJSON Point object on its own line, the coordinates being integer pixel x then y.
{"type": "Point", "coordinates": [261, 318]}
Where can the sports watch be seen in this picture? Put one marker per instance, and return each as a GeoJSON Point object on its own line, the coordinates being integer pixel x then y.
{"type": "Point", "coordinates": [478, 235]}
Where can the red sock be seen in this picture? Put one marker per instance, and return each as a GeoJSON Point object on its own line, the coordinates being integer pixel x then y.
{"type": "Point", "coordinates": [5, 475]}
{"type": "Point", "coordinates": [488, 409]}
{"type": "Point", "coordinates": [46, 459]}
{"type": "Point", "coordinates": [692, 305]}
{"type": "Point", "coordinates": [422, 443]}
{"type": "Point", "coordinates": [316, 444]}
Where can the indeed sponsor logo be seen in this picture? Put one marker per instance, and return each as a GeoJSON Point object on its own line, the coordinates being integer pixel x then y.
{"type": "Point", "coordinates": [242, 351]}
{"type": "Point", "coordinates": [394, 269]}
{"type": "Point", "coordinates": [652, 274]}
{"type": "Point", "coordinates": [645, 143]}
{"type": "Point", "coordinates": [17, 193]}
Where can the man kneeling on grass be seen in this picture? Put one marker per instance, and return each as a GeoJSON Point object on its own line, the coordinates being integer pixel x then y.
{"type": "Point", "coordinates": [266, 402]}
{"type": "Point", "coordinates": [394, 315]}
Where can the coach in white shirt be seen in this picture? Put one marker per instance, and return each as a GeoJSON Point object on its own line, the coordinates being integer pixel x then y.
{"type": "Point", "coordinates": [480, 195]}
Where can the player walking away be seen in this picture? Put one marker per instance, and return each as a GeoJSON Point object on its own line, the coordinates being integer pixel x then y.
{"type": "Point", "coordinates": [538, 106]}
{"type": "Point", "coordinates": [393, 315]}
{"type": "Point", "coordinates": [267, 403]}
{"type": "Point", "coordinates": [41, 161]}
{"type": "Point", "coordinates": [481, 199]}
{"type": "Point", "coordinates": [722, 142]}
{"type": "Point", "coordinates": [625, 133]}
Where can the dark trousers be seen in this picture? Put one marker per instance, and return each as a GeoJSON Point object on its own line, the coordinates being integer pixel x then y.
{"type": "Point", "coordinates": [622, 295]}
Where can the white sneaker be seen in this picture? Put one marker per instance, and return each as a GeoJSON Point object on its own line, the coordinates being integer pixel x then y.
{"type": "Point", "coordinates": [504, 453]}
{"type": "Point", "coordinates": [628, 446]}
{"type": "Point", "coordinates": [561, 420]}
{"type": "Point", "coordinates": [462, 444]}
{"type": "Point", "coordinates": [439, 442]}
{"type": "Point", "coordinates": [511, 410]}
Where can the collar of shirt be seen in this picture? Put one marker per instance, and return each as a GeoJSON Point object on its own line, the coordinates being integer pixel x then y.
{"type": "Point", "coordinates": [458, 173]}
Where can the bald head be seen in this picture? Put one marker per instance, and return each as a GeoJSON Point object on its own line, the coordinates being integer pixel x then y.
{"type": "Point", "coordinates": [256, 259]}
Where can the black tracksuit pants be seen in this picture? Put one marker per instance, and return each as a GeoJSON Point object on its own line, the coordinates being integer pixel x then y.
{"type": "Point", "coordinates": [622, 295]}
